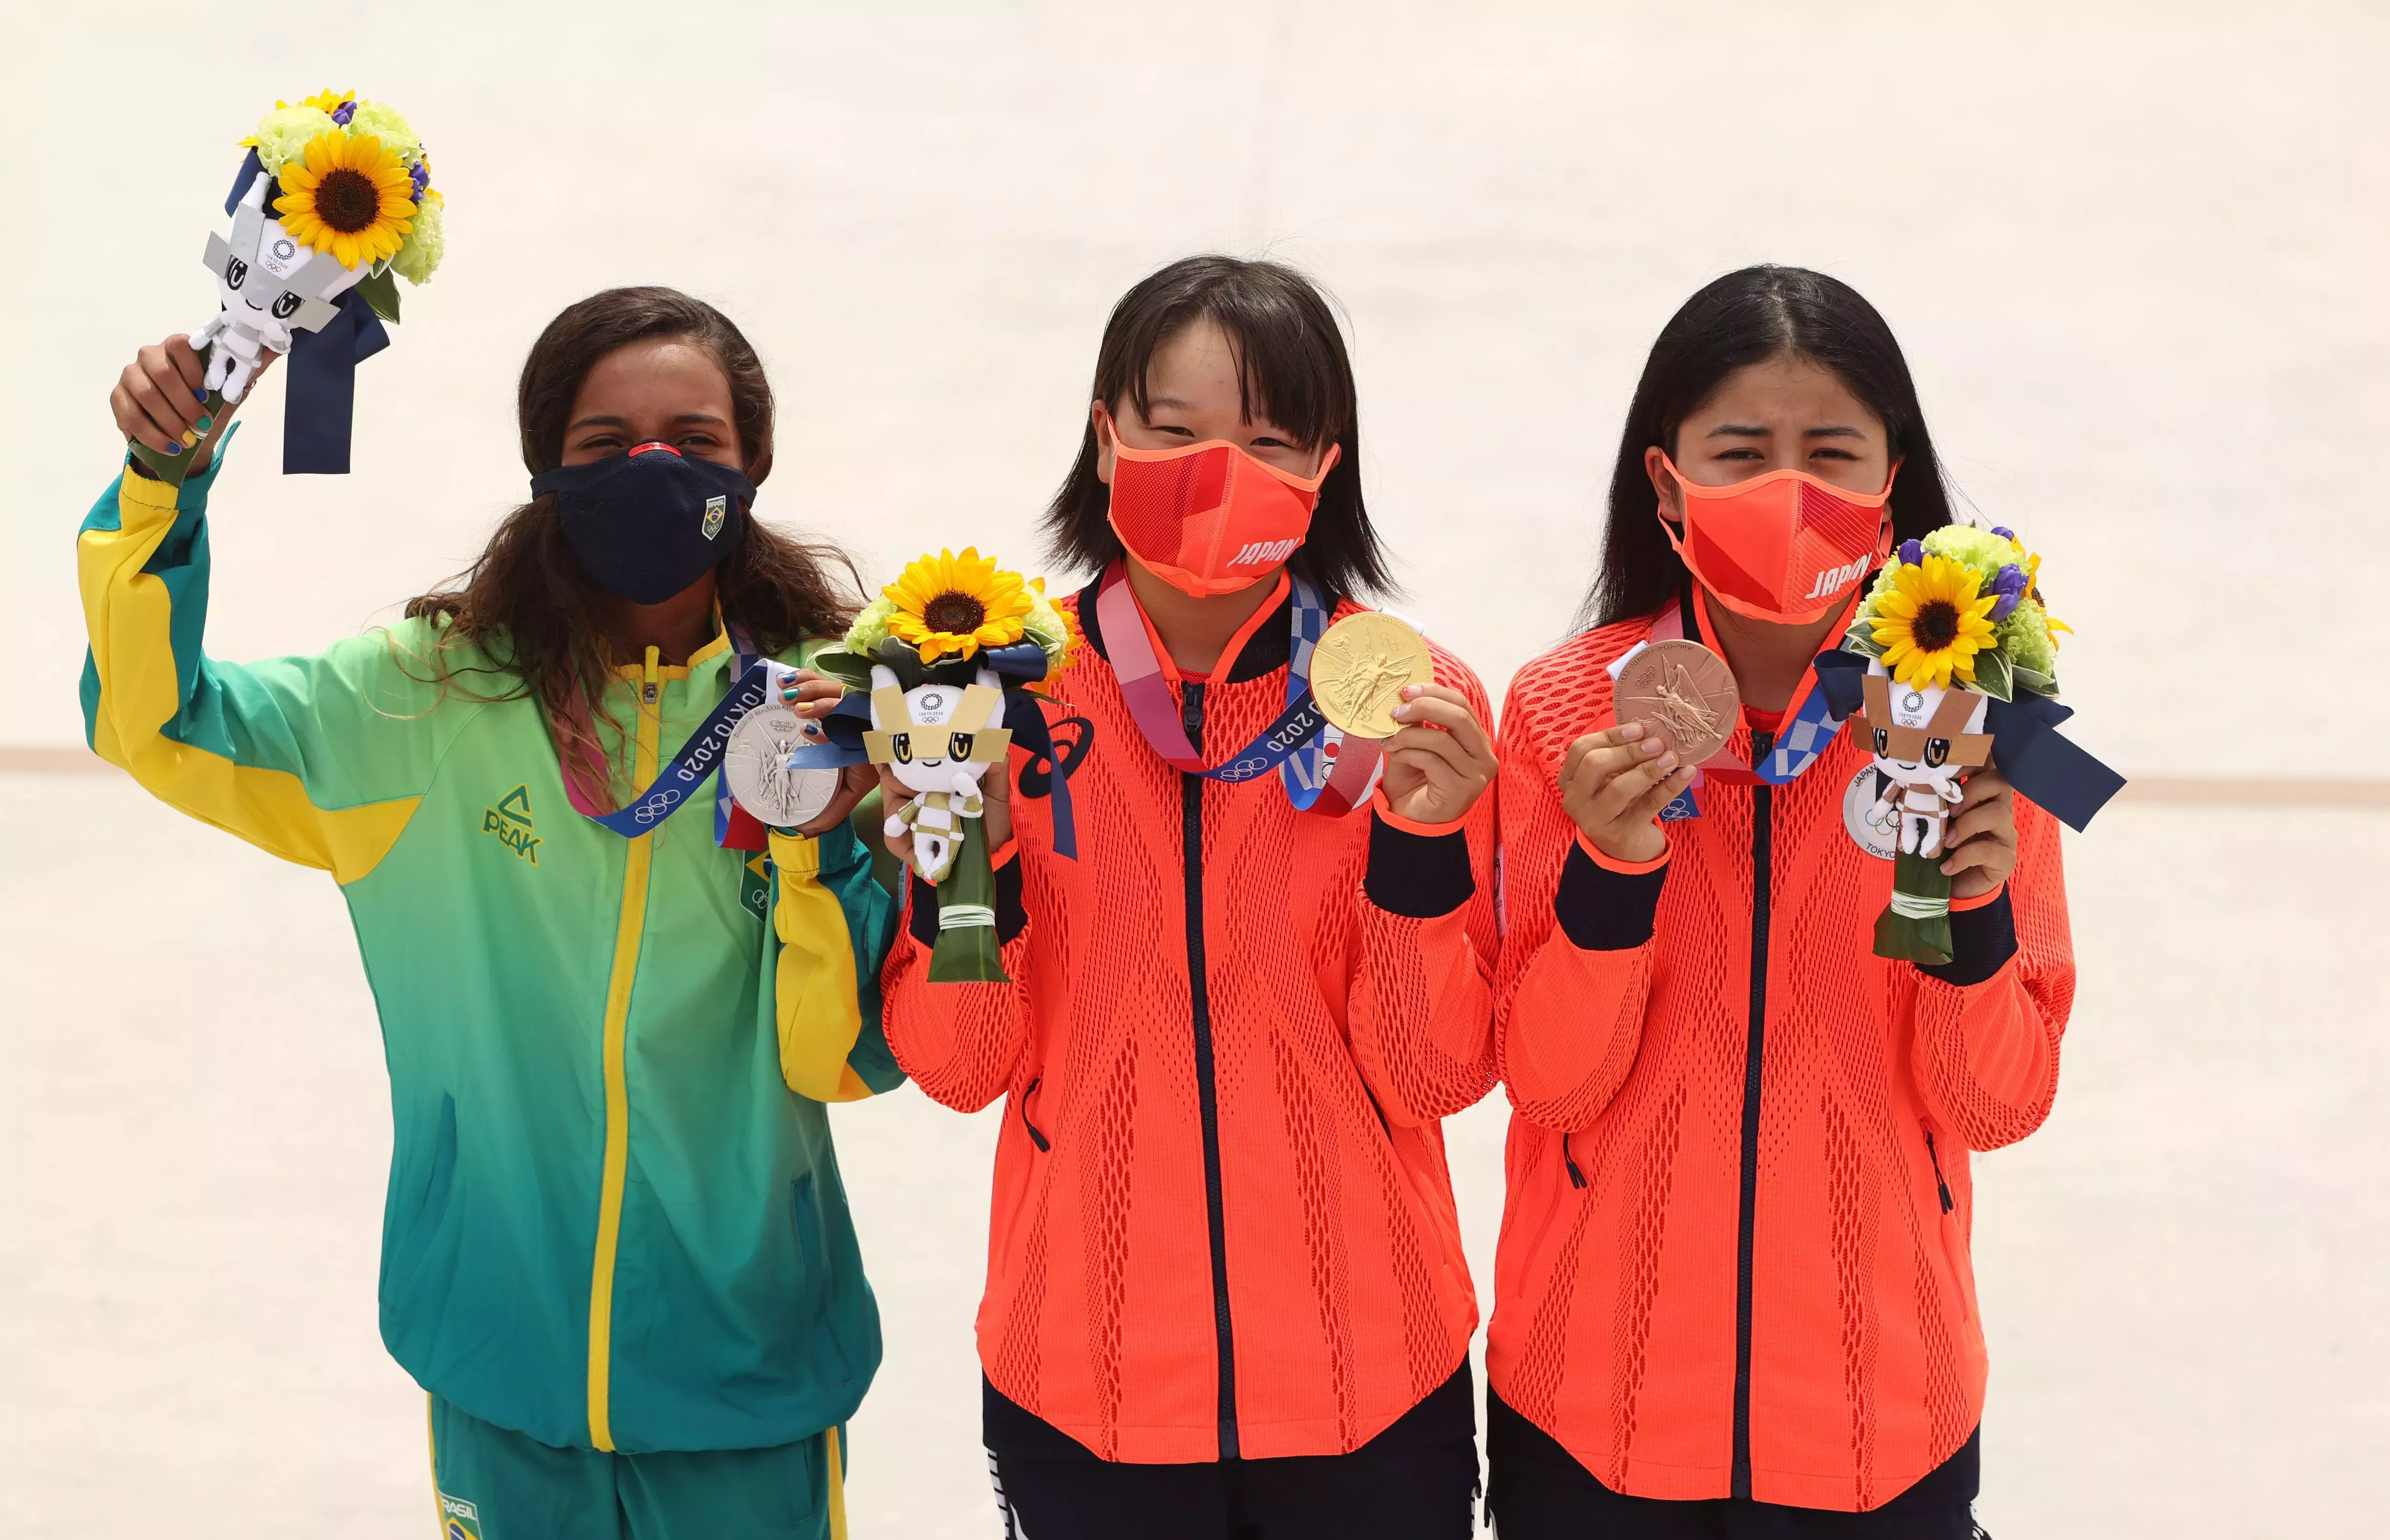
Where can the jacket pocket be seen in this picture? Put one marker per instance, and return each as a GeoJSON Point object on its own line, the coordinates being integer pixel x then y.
{"type": "Point", "coordinates": [815, 1291]}
{"type": "Point", "coordinates": [1954, 1251]}
{"type": "Point", "coordinates": [409, 1243]}
{"type": "Point", "coordinates": [1036, 1134]}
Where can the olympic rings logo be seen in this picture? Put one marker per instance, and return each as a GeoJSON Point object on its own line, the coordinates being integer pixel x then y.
{"type": "Point", "coordinates": [657, 804]}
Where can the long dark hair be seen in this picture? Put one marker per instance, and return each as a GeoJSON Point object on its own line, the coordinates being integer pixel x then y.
{"type": "Point", "coordinates": [524, 602]}
{"type": "Point", "coordinates": [1744, 318]}
{"type": "Point", "coordinates": [1292, 367]}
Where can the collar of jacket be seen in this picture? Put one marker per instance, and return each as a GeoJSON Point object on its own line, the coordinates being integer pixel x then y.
{"type": "Point", "coordinates": [1264, 652]}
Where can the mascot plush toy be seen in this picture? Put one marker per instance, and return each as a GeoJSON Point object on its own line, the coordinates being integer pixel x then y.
{"type": "Point", "coordinates": [939, 742]}
{"type": "Point", "coordinates": [942, 665]}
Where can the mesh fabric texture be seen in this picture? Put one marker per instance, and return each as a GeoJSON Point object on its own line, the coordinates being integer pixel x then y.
{"type": "Point", "coordinates": [1341, 1034]}
{"type": "Point", "coordinates": [1614, 1321]}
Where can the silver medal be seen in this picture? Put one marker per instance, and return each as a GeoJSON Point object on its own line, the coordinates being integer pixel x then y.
{"type": "Point", "coordinates": [1878, 838]}
{"type": "Point", "coordinates": [755, 767]}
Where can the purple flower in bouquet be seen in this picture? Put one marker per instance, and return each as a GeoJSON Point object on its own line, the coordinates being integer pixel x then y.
{"type": "Point", "coordinates": [342, 113]}
{"type": "Point", "coordinates": [1913, 553]}
{"type": "Point", "coordinates": [421, 175]}
{"type": "Point", "coordinates": [2010, 587]}
{"type": "Point", "coordinates": [2005, 533]}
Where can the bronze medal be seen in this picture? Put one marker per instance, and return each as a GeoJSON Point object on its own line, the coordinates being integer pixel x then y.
{"type": "Point", "coordinates": [1684, 693]}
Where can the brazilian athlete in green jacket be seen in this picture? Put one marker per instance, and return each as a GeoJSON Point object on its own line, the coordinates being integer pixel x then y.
{"type": "Point", "coordinates": [616, 1249]}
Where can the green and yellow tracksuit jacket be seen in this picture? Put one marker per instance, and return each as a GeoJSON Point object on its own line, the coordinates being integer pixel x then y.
{"type": "Point", "coordinates": [614, 1218]}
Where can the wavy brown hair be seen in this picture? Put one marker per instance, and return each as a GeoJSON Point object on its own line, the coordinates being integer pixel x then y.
{"type": "Point", "coordinates": [524, 602]}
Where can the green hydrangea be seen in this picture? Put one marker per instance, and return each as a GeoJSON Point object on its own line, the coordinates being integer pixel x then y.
{"type": "Point", "coordinates": [870, 628]}
{"type": "Point", "coordinates": [1045, 626]}
{"type": "Point", "coordinates": [1980, 549]}
{"type": "Point", "coordinates": [285, 133]}
{"type": "Point", "coordinates": [419, 256]}
{"type": "Point", "coordinates": [384, 123]}
{"type": "Point", "coordinates": [2025, 637]}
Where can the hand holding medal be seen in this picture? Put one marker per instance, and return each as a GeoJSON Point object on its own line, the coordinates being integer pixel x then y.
{"type": "Point", "coordinates": [1375, 678]}
{"type": "Point", "coordinates": [1676, 705]}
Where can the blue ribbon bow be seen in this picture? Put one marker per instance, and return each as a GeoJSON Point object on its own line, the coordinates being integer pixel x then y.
{"type": "Point", "coordinates": [319, 405]}
{"type": "Point", "coordinates": [2027, 748]}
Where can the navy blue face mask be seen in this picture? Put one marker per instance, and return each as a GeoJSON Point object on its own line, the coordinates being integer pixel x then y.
{"type": "Point", "coordinates": [646, 524]}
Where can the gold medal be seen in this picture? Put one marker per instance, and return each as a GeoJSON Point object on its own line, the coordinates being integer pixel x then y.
{"type": "Point", "coordinates": [1360, 668]}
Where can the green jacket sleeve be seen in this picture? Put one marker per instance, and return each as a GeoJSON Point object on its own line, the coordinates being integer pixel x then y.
{"type": "Point", "coordinates": [320, 760]}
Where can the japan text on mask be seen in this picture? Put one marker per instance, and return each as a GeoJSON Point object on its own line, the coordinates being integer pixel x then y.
{"type": "Point", "coordinates": [1787, 546]}
{"type": "Point", "coordinates": [1210, 518]}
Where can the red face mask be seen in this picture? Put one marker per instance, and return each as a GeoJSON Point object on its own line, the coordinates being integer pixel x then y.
{"type": "Point", "coordinates": [1786, 547]}
{"type": "Point", "coordinates": [1210, 518]}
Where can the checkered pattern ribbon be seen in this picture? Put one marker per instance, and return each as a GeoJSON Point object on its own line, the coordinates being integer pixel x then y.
{"type": "Point", "coordinates": [1806, 734]}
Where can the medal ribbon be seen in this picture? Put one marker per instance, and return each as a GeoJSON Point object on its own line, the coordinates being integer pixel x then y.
{"type": "Point", "coordinates": [758, 680]}
{"type": "Point", "coordinates": [1323, 771]}
{"type": "Point", "coordinates": [1808, 729]}
{"type": "Point", "coordinates": [697, 758]}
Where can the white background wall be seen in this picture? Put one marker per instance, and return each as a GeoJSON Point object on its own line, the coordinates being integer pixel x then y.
{"type": "Point", "coordinates": [2135, 252]}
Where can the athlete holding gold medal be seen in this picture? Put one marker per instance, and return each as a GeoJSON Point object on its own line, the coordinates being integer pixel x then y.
{"type": "Point", "coordinates": [1225, 1286]}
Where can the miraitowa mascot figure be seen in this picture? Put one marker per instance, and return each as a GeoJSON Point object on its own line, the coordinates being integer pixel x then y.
{"type": "Point", "coordinates": [1925, 738]}
{"type": "Point", "coordinates": [332, 204]}
{"type": "Point", "coordinates": [942, 666]}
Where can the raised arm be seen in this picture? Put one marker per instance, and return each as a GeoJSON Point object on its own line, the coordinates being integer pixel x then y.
{"type": "Point", "coordinates": [1421, 1012]}
{"type": "Point", "coordinates": [319, 760]}
{"type": "Point", "coordinates": [1577, 961]}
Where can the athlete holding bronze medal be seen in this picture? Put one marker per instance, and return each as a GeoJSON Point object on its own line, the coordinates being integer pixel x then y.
{"type": "Point", "coordinates": [1736, 1293]}
{"type": "Point", "coordinates": [1226, 1287]}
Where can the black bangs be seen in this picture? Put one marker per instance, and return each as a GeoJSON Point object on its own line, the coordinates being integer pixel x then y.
{"type": "Point", "coordinates": [1744, 318]}
{"type": "Point", "coordinates": [1291, 363]}
{"type": "Point", "coordinates": [1291, 368]}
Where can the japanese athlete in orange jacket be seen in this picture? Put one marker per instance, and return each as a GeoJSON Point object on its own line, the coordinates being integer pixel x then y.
{"type": "Point", "coordinates": [1224, 1276]}
{"type": "Point", "coordinates": [1734, 1266]}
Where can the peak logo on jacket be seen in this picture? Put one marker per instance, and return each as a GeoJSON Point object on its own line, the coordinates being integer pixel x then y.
{"type": "Point", "coordinates": [510, 821]}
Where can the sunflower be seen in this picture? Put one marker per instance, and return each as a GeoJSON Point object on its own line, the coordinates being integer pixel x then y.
{"type": "Point", "coordinates": [957, 604]}
{"type": "Point", "coordinates": [348, 196]}
{"type": "Point", "coordinates": [1932, 622]}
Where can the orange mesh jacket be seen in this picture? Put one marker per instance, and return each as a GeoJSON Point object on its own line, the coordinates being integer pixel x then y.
{"type": "Point", "coordinates": [1221, 1223]}
{"type": "Point", "coordinates": [1695, 1302]}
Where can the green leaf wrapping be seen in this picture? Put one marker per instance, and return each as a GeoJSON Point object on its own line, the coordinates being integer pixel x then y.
{"type": "Point", "coordinates": [1920, 940]}
{"type": "Point", "coordinates": [380, 290]}
{"type": "Point", "coordinates": [845, 667]}
{"type": "Point", "coordinates": [968, 954]}
{"type": "Point", "coordinates": [1992, 675]}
